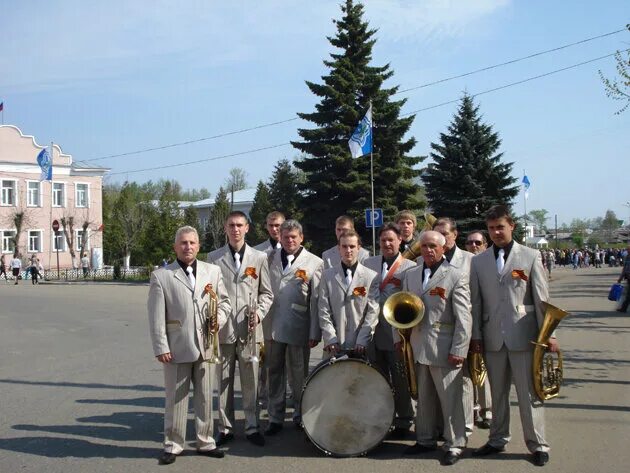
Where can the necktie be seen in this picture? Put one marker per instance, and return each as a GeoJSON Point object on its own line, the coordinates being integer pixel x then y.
{"type": "Point", "coordinates": [384, 272]}
{"type": "Point", "coordinates": [348, 277]}
{"type": "Point", "coordinates": [427, 276]}
{"type": "Point", "coordinates": [191, 276]}
{"type": "Point", "coordinates": [237, 261]}
{"type": "Point", "coordinates": [500, 261]}
{"type": "Point", "coordinates": [278, 246]}
{"type": "Point", "coordinates": [290, 259]}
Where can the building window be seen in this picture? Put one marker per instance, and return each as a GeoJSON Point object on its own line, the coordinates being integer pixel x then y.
{"type": "Point", "coordinates": [35, 241]}
{"type": "Point", "coordinates": [78, 238]}
{"type": "Point", "coordinates": [59, 242]}
{"type": "Point", "coordinates": [59, 194]}
{"type": "Point", "coordinates": [33, 194]}
{"type": "Point", "coordinates": [81, 197]}
{"type": "Point", "coordinates": [8, 242]}
{"type": "Point", "coordinates": [9, 192]}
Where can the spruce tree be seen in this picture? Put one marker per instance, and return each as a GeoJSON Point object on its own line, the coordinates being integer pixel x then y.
{"type": "Point", "coordinates": [258, 214]}
{"type": "Point", "coordinates": [467, 176]}
{"type": "Point", "coordinates": [284, 191]}
{"type": "Point", "coordinates": [336, 184]}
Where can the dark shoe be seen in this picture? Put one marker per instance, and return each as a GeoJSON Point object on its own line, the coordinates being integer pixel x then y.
{"type": "Point", "coordinates": [297, 423]}
{"type": "Point", "coordinates": [540, 458]}
{"type": "Point", "coordinates": [224, 438]}
{"type": "Point", "coordinates": [399, 433]}
{"type": "Point", "coordinates": [256, 439]}
{"type": "Point", "coordinates": [487, 449]}
{"type": "Point", "coordinates": [273, 428]}
{"type": "Point", "coordinates": [483, 424]}
{"type": "Point", "coordinates": [166, 458]}
{"type": "Point", "coordinates": [417, 449]}
{"type": "Point", "coordinates": [450, 458]}
{"type": "Point", "coordinates": [214, 453]}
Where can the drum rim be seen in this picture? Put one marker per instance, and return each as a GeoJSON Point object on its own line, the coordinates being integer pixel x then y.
{"type": "Point", "coordinates": [317, 369]}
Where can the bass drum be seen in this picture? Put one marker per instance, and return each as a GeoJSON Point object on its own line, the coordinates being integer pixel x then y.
{"type": "Point", "coordinates": [347, 407]}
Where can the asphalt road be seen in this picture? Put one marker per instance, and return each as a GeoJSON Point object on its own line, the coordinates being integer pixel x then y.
{"type": "Point", "coordinates": [80, 391]}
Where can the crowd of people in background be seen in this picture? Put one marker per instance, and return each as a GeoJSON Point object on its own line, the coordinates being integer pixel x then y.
{"type": "Point", "coordinates": [583, 258]}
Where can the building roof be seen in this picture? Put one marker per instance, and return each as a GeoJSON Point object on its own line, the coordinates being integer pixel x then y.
{"type": "Point", "coordinates": [242, 196]}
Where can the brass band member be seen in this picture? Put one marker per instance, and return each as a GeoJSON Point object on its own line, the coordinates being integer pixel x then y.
{"type": "Point", "coordinates": [331, 256]}
{"type": "Point", "coordinates": [272, 224]}
{"type": "Point", "coordinates": [508, 285]}
{"type": "Point", "coordinates": [440, 345]}
{"type": "Point", "coordinates": [246, 277]}
{"type": "Point", "coordinates": [178, 301]}
{"type": "Point", "coordinates": [406, 220]}
{"type": "Point", "coordinates": [391, 267]}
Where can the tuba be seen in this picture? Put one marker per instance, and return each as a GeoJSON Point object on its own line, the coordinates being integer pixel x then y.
{"type": "Point", "coordinates": [547, 374]}
{"type": "Point", "coordinates": [405, 310]}
{"type": "Point", "coordinates": [413, 252]}
{"type": "Point", "coordinates": [477, 368]}
{"type": "Point", "coordinates": [212, 325]}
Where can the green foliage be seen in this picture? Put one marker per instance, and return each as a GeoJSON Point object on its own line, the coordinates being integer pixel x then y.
{"type": "Point", "coordinates": [467, 176]}
{"type": "Point", "coordinates": [236, 181]}
{"type": "Point", "coordinates": [619, 89]}
{"type": "Point", "coordinates": [284, 190]}
{"type": "Point", "coordinates": [578, 239]}
{"type": "Point", "coordinates": [334, 183]}
{"type": "Point", "coordinates": [539, 217]}
{"type": "Point", "coordinates": [215, 231]}
{"type": "Point", "coordinates": [258, 213]}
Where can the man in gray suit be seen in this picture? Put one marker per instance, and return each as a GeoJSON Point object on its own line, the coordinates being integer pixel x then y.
{"type": "Point", "coordinates": [291, 327]}
{"type": "Point", "coordinates": [440, 345]}
{"type": "Point", "coordinates": [178, 315]}
{"type": "Point", "coordinates": [348, 301]}
{"type": "Point", "coordinates": [272, 224]}
{"type": "Point", "coordinates": [331, 256]}
{"type": "Point", "coordinates": [508, 285]}
{"type": "Point", "coordinates": [246, 276]}
{"type": "Point", "coordinates": [390, 268]}
{"type": "Point", "coordinates": [407, 222]}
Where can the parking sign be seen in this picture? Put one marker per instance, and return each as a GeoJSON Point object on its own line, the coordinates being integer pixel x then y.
{"type": "Point", "coordinates": [375, 219]}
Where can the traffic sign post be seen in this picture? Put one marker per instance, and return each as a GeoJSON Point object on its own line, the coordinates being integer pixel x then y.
{"type": "Point", "coordinates": [373, 219]}
{"type": "Point", "coordinates": [55, 227]}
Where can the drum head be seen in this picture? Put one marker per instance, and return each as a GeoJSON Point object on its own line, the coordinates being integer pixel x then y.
{"type": "Point", "coordinates": [347, 407]}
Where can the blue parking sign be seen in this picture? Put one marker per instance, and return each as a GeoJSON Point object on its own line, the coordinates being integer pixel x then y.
{"type": "Point", "coordinates": [375, 219]}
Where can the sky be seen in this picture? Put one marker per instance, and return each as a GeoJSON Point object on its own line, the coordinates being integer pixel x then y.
{"type": "Point", "coordinates": [103, 78]}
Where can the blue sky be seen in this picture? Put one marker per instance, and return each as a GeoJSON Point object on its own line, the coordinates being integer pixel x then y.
{"type": "Point", "coordinates": [102, 78]}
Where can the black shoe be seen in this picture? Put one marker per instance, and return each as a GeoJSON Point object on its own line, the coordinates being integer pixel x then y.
{"type": "Point", "coordinates": [487, 449]}
{"type": "Point", "coordinates": [256, 439]}
{"type": "Point", "coordinates": [214, 453]}
{"type": "Point", "coordinates": [483, 424]}
{"type": "Point", "coordinates": [399, 433]}
{"type": "Point", "coordinates": [540, 458]}
{"type": "Point", "coordinates": [417, 449]}
{"type": "Point", "coordinates": [450, 458]}
{"type": "Point", "coordinates": [224, 438]}
{"type": "Point", "coordinates": [166, 458]}
{"type": "Point", "coordinates": [273, 428]}
{"type": "Point", "coordinates": [297, 423]}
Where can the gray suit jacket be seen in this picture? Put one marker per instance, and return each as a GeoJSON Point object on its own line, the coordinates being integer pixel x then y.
{"type": "Point", "coordinates": [446, 327]}
{"type": "Point", "coordinates": [266, 248]}
{"type": "Point", "coordinates": [347, 318]}
{"type": "Point", "coordinates": [332, 258]}
{"type": "Point", "coordinates": [239, 287]}
{"type": "Point", "coordinates": [461, 259]}
{"type": "Point", "coordinates": [292, 318]}
{"type": "Point", "coordinates": [177, 311]}
{"type": "Point", "coordinates": [384, 333]}
{"type": "Point", "coordinates": [506, 309]}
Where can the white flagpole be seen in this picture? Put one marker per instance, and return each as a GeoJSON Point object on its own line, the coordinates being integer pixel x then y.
{"type": "Point", "coordinates": [372, 181]}
{"type": "Point", "coordinates": [50, 241]}
{"type": "Point", "coordinates": [525, 204]}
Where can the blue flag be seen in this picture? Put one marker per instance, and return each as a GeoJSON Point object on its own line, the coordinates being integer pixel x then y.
{"type": "Point", "coordinates": [45, 163]}
{"type": "Point", "coordinates": [526, 185]}
{"type": "Point", "coordinates": [361, 140]}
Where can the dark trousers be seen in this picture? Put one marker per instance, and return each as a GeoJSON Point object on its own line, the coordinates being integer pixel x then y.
{"type": "Point", "coordinates": [626, 301]}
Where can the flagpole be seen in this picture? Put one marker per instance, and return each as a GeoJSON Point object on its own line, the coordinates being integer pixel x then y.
{"type": "Point", "coordinates": [50, 242]}
{"type": "Point", "coordinates": [525, 204]}
{"type": "Point", "coordinates": [372, 181]}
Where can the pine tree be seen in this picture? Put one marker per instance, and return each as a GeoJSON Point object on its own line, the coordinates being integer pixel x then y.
{"type": "Point", "coordinates": [336, 184]}
{"type": "Point", "coordinates": [258, 214]}
{"type": "Point", "coordinates": [215, 236]}
{"type": "Point", "coordinates": [467, 176]}
{"type": "Point", "coordinates": [284, 191]}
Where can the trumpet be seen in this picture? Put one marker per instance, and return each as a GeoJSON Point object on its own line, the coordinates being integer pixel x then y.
{"type": "Point", "coordinates": [212, 325]}
{"type": "Point", "coordinates": [252, 322]}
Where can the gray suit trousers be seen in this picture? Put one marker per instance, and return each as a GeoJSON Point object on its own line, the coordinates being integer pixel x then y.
{"type": "Point", "coordinates": [440, 387]}
{"type": "Point", "coordinates": [248, 372]}
{"type": "Point", "coordinates": [505, 366]}
{"type": "Point", "coordinates": [293, 358]}
{"type": "Point", "coordinates": [177, 379]}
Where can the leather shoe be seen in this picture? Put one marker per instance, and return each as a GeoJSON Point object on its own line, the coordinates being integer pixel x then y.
{"type": "Point", "coordinates": [224, 438]}
{"type": "Point", "coordinates": [450, 458]}
{"type": "Point", "coordinates": [487, 449]}
{"type": "Point", "coordinates": [166, 458]}
{"type": "Point", "coordinates": [214, 453]}
{"type": "Point", "coordinates": [417, 449]}
{"type": "Point", "coordinates": [540, 458]}
{"type": "Point", "coordinates": [256, 439]}
{"type": "Point", "coordinates": [483, 423]}
{"type": "Point", "coordinates": [273, 428]}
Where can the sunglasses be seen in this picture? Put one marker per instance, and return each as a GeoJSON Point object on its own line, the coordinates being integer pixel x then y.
{"type": "Point", "coordinates": [474, 242]}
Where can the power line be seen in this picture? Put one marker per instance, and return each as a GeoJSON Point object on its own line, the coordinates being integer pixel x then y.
{"type": "Point", "coordinates": [512, 84]}
{"type": "Point", "coordinates": [512, 61]}
{"type": "Point", "coordinates": [266, 125]}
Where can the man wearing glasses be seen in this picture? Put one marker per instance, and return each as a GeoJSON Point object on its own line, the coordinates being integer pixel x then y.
{"type": "Point", "coordinates": [476, 242]}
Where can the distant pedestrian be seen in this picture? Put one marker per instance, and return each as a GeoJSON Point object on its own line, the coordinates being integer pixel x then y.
{"type": "Point", "coordinates": [34, 269]}
{"type": "Point", "coordinates": [3, 269]}
{"type": "Point", "coordinates": [85, 265]}
{"type": "Point", "coordinates": [16, 267]}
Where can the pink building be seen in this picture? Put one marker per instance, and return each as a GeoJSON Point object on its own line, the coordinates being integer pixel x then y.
{"type": "Point", "coordinates": [73, 195]}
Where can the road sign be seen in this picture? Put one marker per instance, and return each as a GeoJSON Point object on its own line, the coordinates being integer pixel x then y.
{"type": "Point", "coordinates": [55, 225]}
{"type": "Point", "coordinates": [376, 218]}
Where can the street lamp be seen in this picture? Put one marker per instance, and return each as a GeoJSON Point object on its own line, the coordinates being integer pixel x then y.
{"type": "Point", "coordinates": [627, 204]}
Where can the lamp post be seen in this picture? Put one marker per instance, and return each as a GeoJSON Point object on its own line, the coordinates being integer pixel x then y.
{"type": "Point", "coordinates": [627, 204]}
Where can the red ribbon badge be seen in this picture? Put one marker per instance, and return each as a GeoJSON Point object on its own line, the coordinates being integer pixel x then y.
{"type": "Point", "coordinates": [519, 274]}
{"type": "Point", "coordinates": [301, 274]}
{"type": "Point", "coordinates": [251, 271]}
{"type": "Point", "coordinates": [207, 288]}
{"type": "Point", "coordinates": [359, 291]}
{"type": "Point", "coordinates": [438, 291]}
